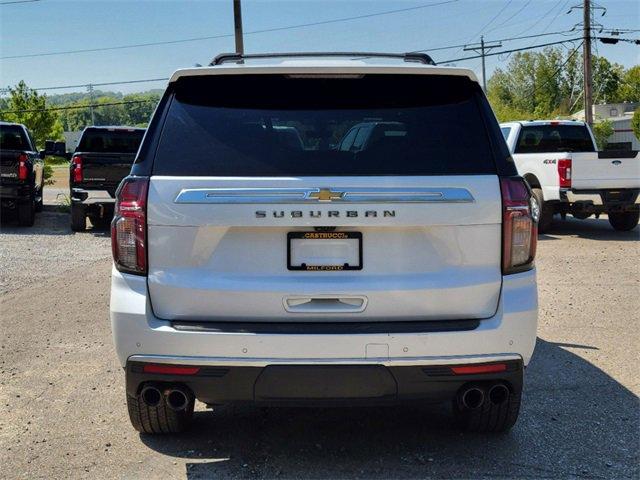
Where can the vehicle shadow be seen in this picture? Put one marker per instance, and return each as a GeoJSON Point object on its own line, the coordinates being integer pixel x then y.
{"type": "Point", "coordinates": [576, 421]}
{"type": "Point", "coordinates": [591, 228]}
{"type": "Point", "coordinates": [47, 222]}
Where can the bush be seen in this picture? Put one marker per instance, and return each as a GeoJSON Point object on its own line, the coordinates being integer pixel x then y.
{"type": "Point", "coordinates": [602, 131]}
{"type": "Point", "coordinates": [635, 123]}
{"type": "Point", "coordinates": [48, 173]}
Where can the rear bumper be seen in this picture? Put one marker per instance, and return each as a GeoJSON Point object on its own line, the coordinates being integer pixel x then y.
{"type": "Point", "coordinates": [599, 201]}
{"type": "Point", "coordinates": [15, 192]}
{"type": "Point", "coordinates": [238, 357]}
{"type": "Point", "coordinates": [91, 197]}
{"type": "Point", "coordinates": [323, 384]}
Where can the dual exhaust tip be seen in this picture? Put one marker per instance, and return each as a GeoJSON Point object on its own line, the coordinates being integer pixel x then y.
{"type": "Point", "coordinates": [176, 398]}
{"type": "Point", "coordinates": [474, 396]}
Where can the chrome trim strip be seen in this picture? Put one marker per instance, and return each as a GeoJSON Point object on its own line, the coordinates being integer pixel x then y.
{"type": "Point", "coordinates": [263, 362]}
{"type": "Point", "coordinates": [315, 195]}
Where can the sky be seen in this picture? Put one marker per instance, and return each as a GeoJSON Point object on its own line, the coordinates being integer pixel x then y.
{"type": "Point", "coordinates": [46, 26]}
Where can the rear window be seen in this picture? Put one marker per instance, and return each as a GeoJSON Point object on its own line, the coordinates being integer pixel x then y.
{"type": "Point", "coordinates": [110, 141]}
{"type": "Point", "coordinates": [260, 125]}
{"type": "Point", "coordinates": [13, 137]}
{"type": "Point", "coordinates": [554, 138]}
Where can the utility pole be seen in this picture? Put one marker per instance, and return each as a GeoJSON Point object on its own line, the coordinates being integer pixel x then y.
{"type": "Point", "coordinates": [586, 59]}
{"type": "Point", "coordinates": [237, 26]}
{"type": "Point", "coordinates": [587, 10]}
{"type": "Point", "coordinates": [90, 90]}
{"type": "Point", "coordinates": [482, 49]}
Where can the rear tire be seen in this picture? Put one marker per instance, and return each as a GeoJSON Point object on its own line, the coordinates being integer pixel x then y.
{"type": "Point", "coordinates": [27, 213]}
{"type": "Point", "coordinates": [546, 212]}
{"type": "Point", "coordinates": [78, 218]}
{"type": "Point", "coordinates": [489, 417]}
{"type": "Point", "coordinates": [158, 419]}
{"type": "Point", "coordinates": [40, 203]}
{"type": "Point", "coordinates": [624, 221]}
{"type": "Point", "coordinates": [100, 222]}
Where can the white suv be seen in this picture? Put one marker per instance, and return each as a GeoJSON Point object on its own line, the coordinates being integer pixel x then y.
{"type": "Point", "coordinates": [258, 259]}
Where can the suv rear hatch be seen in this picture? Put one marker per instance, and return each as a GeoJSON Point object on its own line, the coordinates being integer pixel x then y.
{"type": "Point", "coordinates": [256, 212]}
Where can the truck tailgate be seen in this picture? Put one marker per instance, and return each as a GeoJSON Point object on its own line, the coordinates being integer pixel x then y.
{"type": "Point", "coordinates": [607, 170]}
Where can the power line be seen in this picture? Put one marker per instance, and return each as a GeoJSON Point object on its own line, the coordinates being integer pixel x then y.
{"type": "Point", "coordinates": [226, 35]}
{"type": "Point", "coordinates": [511, 51]}
{"type": "Point", "coordinates": [18, 1]}
{"type": "Point", "coordinates": [493, 19]}
{"type": "Point", "coordinates": [164, 79]}
{"type": "Point", "coordinates": [525, 5]}
{"type": "Point", "coordinates": [524, 37]}
{"type": "Point", "coordinates": [103, 84]}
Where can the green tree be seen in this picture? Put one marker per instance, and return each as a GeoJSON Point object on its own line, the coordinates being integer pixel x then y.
{"type": "Point", "coordinates": [629, 89]}
{"type": "Point", "coordinates": [549, 84]}
{"type": "Point", "coordinates": [26, 106]}
{"type": "Point", "coordinates": [607, 77]}
{"type": "Point", "coordinates": [138, 114]}
{"type": "Point", "coordinates": [602, 131]}
{"type": "Point", "coordinates": [635, 123]}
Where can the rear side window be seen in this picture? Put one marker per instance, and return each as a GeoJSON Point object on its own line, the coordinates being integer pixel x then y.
{"type": "Point", "coordinates": [554, 138]}
{"type": "Point", "coordinates": [13, 137]}
{"type": "Point", "coordinates": [110, 141]}
{"type": "Point", "coordinates": [261, 125]}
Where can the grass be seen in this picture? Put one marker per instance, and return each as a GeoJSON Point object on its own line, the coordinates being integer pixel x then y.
{"type": "Point", "coordinates": [56, 161]}
{"type": "Point", "coordinates": [65, 204]}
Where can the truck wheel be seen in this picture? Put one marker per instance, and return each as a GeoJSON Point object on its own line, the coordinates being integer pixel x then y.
{"type": "Point", "coordinates": [40, 202]}
{"type": "Point", "coordinates": [78, 218]}
{"type": "Point", "coordinates": [546, 212]}
{"type": "Point", "coordinates": [624, 221]}
{"type": "Point", "coordinates": [26, 213]}
{"type": "Point", "coordinates": [160, 418]}
{"type": "Point", "coordinates": [497, 412]}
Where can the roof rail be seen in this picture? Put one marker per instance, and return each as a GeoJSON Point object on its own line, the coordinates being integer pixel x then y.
{"type": "Point", "coordinates": [239, 57]}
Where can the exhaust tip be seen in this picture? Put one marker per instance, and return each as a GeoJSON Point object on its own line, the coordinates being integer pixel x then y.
{"type": "Point", "coordinates": [498, 394]}
{"type": "Point", "coordinates": [151, 396]}
{"type": "Point", "coordinates": [176, 399]}
{"type": "Point", "coordinates": [472, 398]}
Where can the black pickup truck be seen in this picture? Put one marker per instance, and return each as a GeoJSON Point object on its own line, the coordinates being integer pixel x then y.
{"type": "Point", "coordinates": [21, 172]}
{"type": "Point", "coordinates": [102, 159]}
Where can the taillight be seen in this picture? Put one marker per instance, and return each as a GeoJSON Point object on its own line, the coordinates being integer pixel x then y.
{"type": "Point", "coordinates": [129, 226]}
{"type": "Point", "coordinates": [564, 172]}
{"type": "Point", "coordinates": [483, 368]}
{"type": "Point", "coordinates": [23, 172]}
{"type": "Point", "coordinates": [76, 165]}
{"type": "Point", "coordinates": [519, 228]}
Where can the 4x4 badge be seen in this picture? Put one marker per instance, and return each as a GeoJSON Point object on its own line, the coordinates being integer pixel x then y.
{"type": "Point", "coordinates": [326, 195]}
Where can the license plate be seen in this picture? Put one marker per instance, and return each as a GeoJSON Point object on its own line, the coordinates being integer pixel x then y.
{"type": "Point", "coordinates": [324, 251]}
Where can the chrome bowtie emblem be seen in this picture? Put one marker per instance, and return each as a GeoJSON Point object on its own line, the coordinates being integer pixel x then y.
{"type": "Point", "coordinates": [326, 195]}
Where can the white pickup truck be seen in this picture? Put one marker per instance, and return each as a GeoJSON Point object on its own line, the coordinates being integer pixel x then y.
{"type": "Point", "coordinates": [567, 174]}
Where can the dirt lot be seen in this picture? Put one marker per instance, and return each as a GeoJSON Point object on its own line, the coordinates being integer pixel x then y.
{"type": "Point", "coordinates": [63, 415]}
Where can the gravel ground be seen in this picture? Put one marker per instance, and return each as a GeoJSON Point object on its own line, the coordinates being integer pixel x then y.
{"type": "Point", "coordinates": [48, 249]}
{"type": "Point", "coordinates": [63, 415]}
